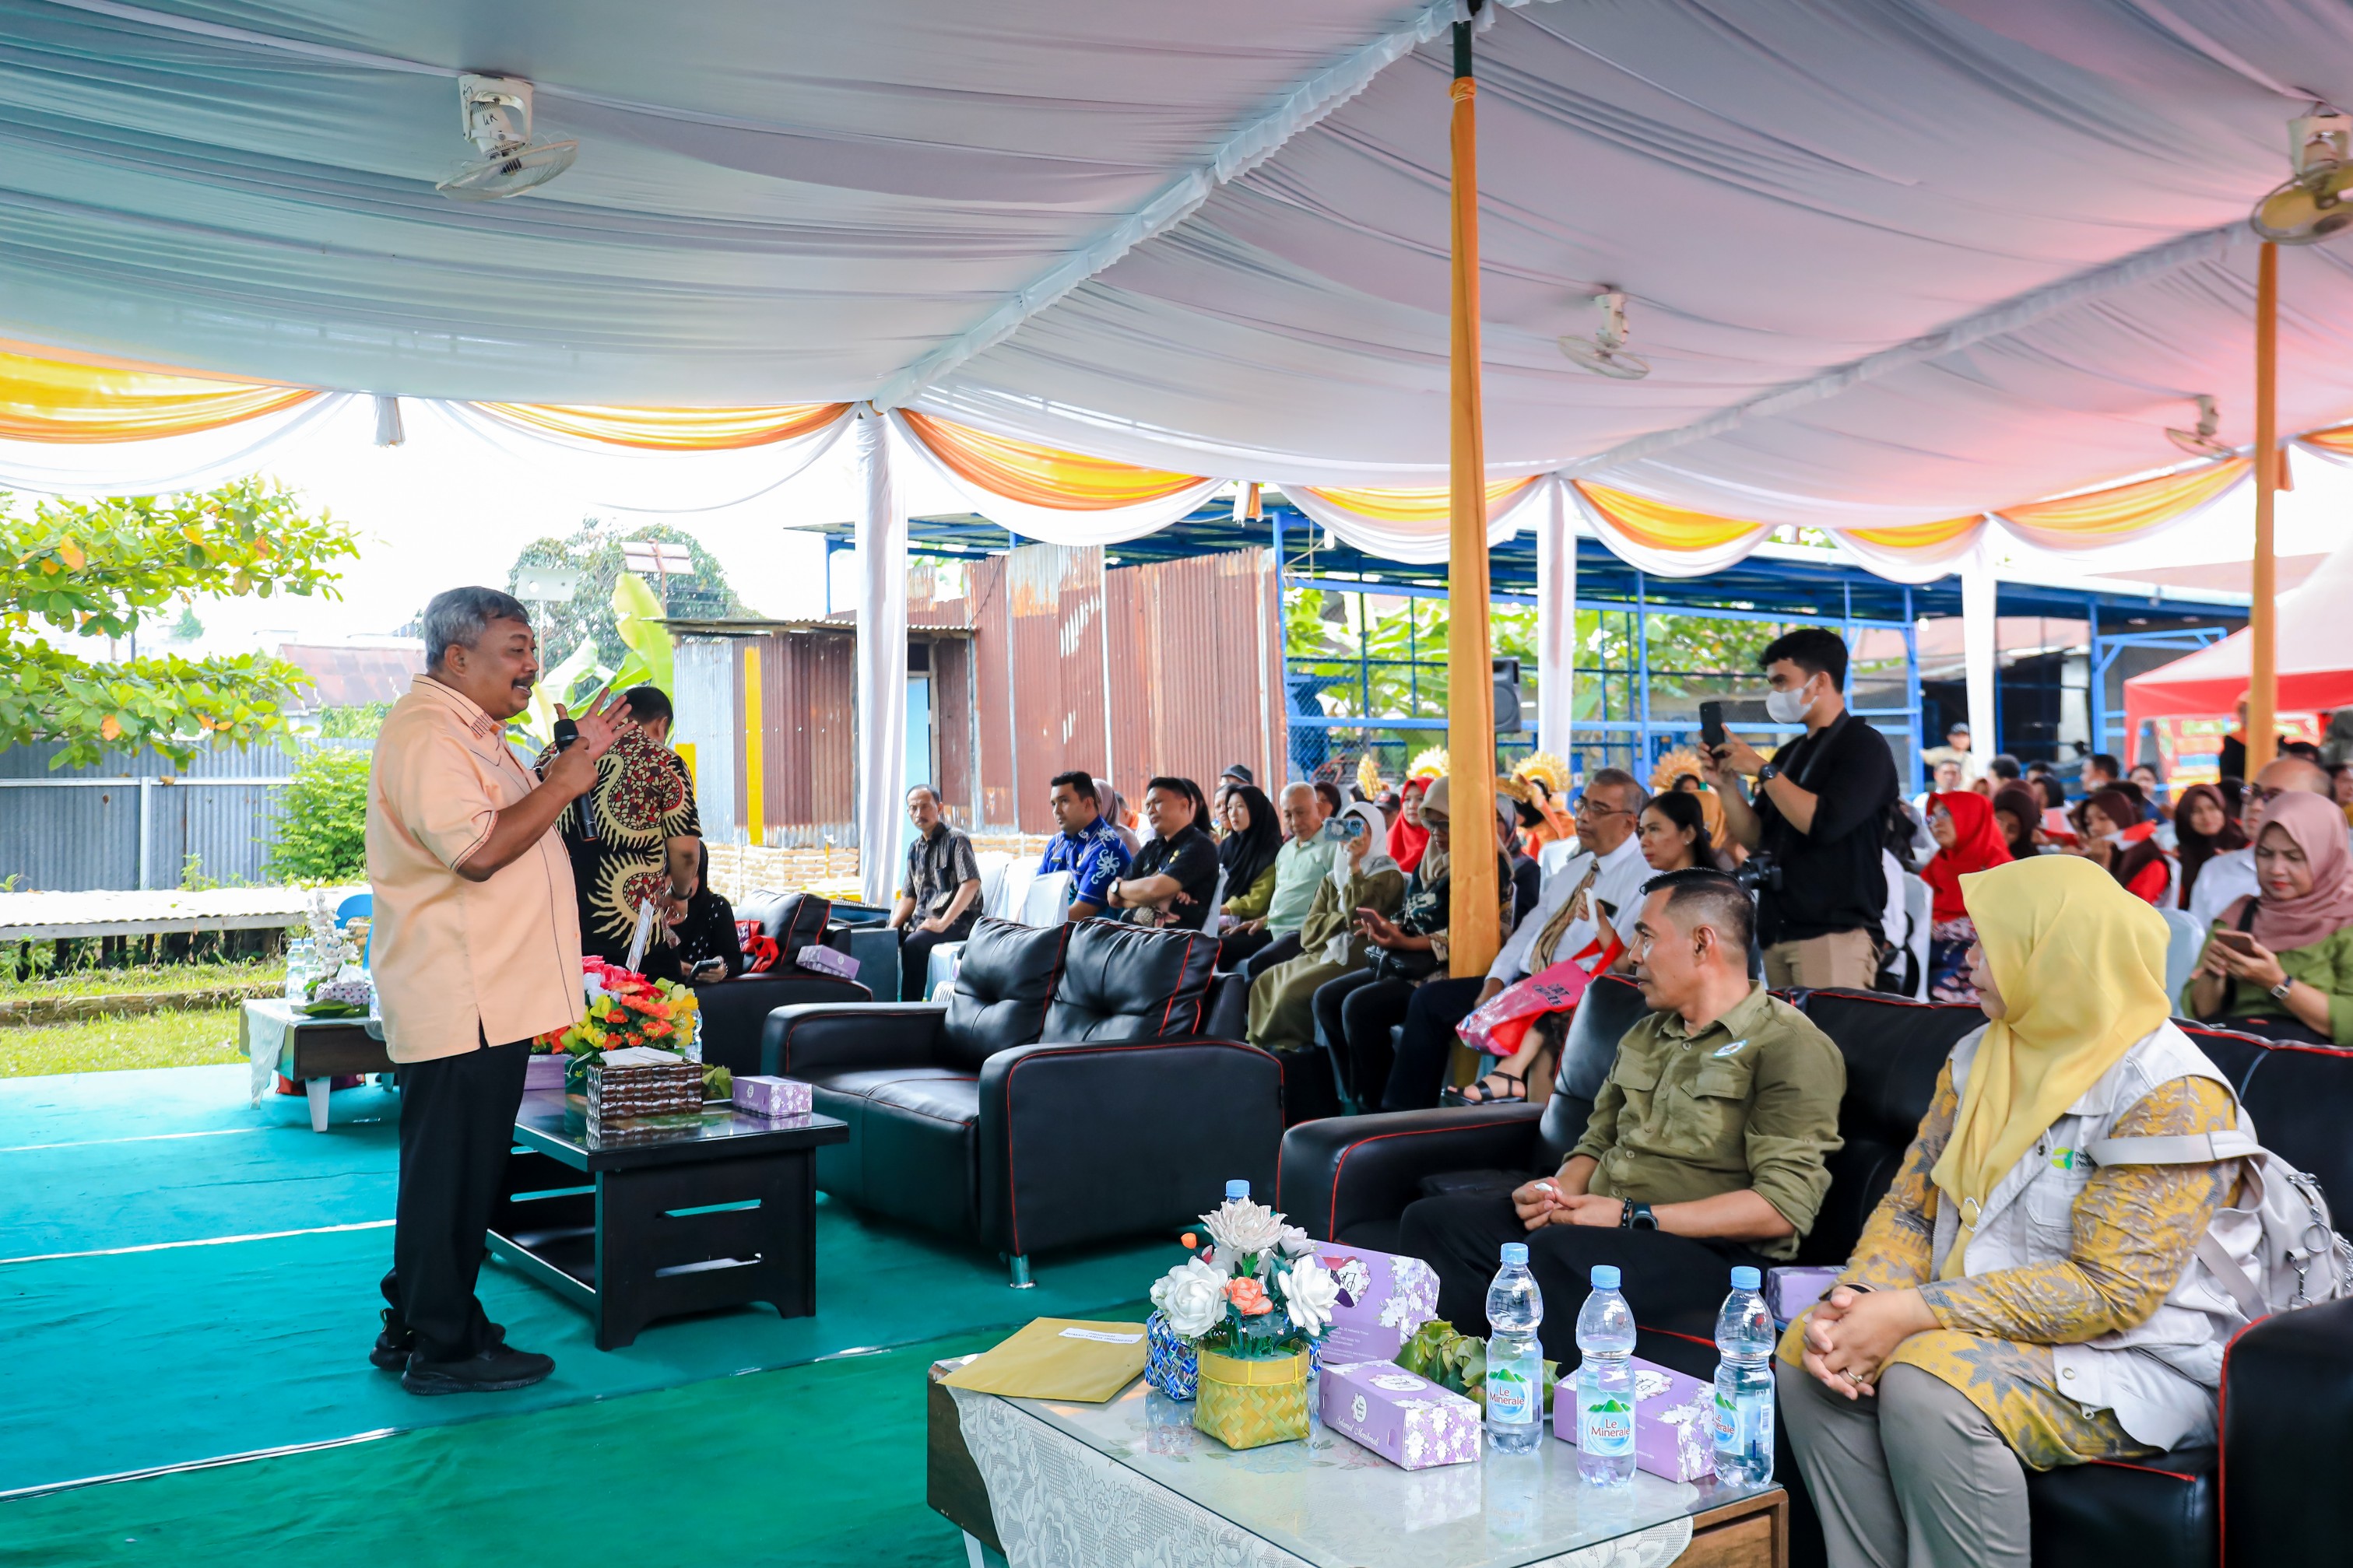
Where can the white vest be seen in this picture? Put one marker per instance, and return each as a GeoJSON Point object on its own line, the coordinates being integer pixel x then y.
{"type": "Point", "coordinates": [2159, 1376]}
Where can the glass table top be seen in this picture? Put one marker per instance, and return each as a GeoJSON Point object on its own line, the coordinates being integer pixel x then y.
{"type": "Point", "coordinates": [1339, 1505]}
{"type": "Point", "coordinates": [551, 1117]}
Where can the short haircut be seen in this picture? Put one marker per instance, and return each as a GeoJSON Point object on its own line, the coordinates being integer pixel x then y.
{"type": "Point", "coordinates": [650, 703]}
{"type": "Point", "coordinates": [1632, 795]}
{"type": "Point", "coordinates": [1335, 803]}
{"type": "Point", "coordinates": [1081, 782]}
{"type": "Point", "coordinates": [925, 788]}
{"type": "Point", "coordinates": [2105, 764]}
{"type": "Point", "coordinates": [1190, 790]}
{"type": "Point", "coordinates": [457, 617]}
{"type": "Point", "coordinates": [2003, 766]}
{"type": "Point", "coordinates": [1817, 650]}
{"type": "Point", "coordinates": [1698, 896]}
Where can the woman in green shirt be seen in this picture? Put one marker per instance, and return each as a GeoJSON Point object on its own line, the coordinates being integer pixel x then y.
{"type": "Point", "coordinates": [2280, 963]}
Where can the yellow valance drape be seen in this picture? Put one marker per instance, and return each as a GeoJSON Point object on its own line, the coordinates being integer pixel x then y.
{"type": "Point", "coordinates": [1917, 535]}
{"type": "Point", "coordinates": [2112, 515]}
{"type": "Point", "coordinates": [671, 429]}
{"type": "Point", "coordinates": [1655, 525]}
{"type": "Point", "coordinates": [65, 403]}
{"type": "Point", "coordinates": [1415, 505]}
{"type": "Point", "coordinates": [1042, 476]}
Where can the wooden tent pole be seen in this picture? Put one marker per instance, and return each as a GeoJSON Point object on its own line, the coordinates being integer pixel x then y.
{"type": "Point", "coordinates": [1473, 925]}
{"type": "Point", "coordinates": [2262, 640]}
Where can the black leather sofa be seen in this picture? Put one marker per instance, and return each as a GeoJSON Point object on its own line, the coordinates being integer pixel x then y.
{"type": "Point", "coordinates": [736, 1012]}
{"type": "Point", "coordinates": [1064, 1094]}
{"type": "Point", "coordinates": [2274, 1493]}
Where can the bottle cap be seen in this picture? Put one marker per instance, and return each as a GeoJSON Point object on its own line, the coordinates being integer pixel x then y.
{"type": "Point", "coordinates": [1605, 1277]}
{"type": "Point", "coordinates": [1237, 1189]}
{"type": "Point", "coordinates": [1516, 1252]}
{"type": "Point", "coordinates": [1745, 1279]}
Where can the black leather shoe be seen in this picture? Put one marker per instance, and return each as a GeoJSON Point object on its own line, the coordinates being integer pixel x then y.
{"type": "Point", "coordinates": [492, 1371]}
{"type": "Point", "coordinates": [393, 1345]}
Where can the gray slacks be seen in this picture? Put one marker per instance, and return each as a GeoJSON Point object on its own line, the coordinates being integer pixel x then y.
{"type": "Point", "coordinates": [1913, 1477]}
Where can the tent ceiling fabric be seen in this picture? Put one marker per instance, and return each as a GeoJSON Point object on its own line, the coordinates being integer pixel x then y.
{"type": "Point", "coordinates": [1892, 263]}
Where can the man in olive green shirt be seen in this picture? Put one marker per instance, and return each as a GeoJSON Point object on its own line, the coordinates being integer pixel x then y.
{"type": "Point", "coordinates": [1705, 1149]}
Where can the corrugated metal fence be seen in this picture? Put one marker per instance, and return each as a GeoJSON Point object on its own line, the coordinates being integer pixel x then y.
{"type": "Point", "coordinates": [134, 822]}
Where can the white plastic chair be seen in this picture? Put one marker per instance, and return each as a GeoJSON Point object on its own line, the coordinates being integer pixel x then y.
{"type": "Point", "coordinates": [992, 866]}
{"type": "Point", "coordinates": [1555, 855]}
{"type": "Point", "coordinates": [2182, 949]}
{"type": "Point", "coordinates": [1919, 904]}
{"type": "Point", "coordinates": [1048, 902]}
{"type": "Point", "coordinates": [1013, 891]}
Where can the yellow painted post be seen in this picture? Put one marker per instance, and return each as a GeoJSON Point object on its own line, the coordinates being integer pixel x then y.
{"type": "Point", "coordinates": [685, 750]}
{"type": "Point", "coordinates": [1473, 926]}
{"type": "Point", "coordinates": [2263, 622]}
{"type": "Point", "coordinates": [755, 794]}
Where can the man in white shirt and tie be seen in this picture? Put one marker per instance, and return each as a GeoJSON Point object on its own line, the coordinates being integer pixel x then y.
{"type": "Point", "coordinates": [2231, 876]}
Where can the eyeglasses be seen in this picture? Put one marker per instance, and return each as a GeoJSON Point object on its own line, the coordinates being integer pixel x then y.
{"type": "Point", "coordinates": [2256, 795]}
{"type": "Point", "coordinates": [1587, 807]}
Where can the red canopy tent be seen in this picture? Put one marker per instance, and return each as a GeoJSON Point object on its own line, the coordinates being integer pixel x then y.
{"type": "Point", "coordinates": [2316, 659]}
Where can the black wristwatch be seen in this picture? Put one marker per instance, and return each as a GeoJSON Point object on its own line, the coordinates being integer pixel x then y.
{"type": "Point", "coordinates": [1768, 773]}
{"type": "Point", "coordinates": [1636, 1217]}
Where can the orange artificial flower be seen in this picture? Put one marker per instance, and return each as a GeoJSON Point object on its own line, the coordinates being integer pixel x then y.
{"type": "Point", "coordinates": [1248, 1297]}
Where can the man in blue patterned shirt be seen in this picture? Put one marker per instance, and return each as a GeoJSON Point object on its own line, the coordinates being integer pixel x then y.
{"type": "Point", "coordinates": [1087, 847]}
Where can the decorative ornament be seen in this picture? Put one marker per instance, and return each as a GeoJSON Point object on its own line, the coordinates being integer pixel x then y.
{"type": "Point", "coordinates": [1430, 764]}
{"type": "Point", "coordinates": [1673, 765]}
{"type": "Point", "coordinates": [1544, 769]}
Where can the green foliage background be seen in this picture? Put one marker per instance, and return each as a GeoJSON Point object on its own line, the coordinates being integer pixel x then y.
{"type": "Point", "coordinates": [322, 820]}
{"type": "Point", "coordinates": [595, 551]}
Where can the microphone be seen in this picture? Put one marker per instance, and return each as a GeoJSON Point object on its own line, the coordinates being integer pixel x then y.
{"type": "Point", "coordinates": [567, 730]}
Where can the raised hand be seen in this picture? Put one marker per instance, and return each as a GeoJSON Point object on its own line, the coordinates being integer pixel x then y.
{"type": "Point", "coordinates": [600, 722]}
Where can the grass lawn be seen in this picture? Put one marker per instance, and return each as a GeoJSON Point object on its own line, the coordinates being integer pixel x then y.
{"type": "Point", "coordinates": [138, 979]}
{"type": "Point", "coordinates": [115, 1041]}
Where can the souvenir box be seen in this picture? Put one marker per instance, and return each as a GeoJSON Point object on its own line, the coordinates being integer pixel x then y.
{"type": "Point", "coordinates": [1406, 1420]}
{"type": "Point", "coordinates": [1384, 1296]}
{"type": "Point", "coordinates": [771, 1097]}
{"type": "Point", "coordinates": [1789, 1291]}
{"type": "Point", "coordinates": [1674, 1420]}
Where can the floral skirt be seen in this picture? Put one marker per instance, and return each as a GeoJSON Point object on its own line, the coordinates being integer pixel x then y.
{"type": "Point", "coordinates": [1948, 959]}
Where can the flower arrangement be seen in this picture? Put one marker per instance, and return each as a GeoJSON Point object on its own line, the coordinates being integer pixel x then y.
{"type": "Point", "coordinates": [630, 1011]}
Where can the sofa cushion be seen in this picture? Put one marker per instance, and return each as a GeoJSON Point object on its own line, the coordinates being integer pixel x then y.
{"type": "Point", "coordinates": [1128, 983]}
{"type": "Point", "coordinates": [2296, 1095]}
{"type": "Point", "coordinates": [2152, 1513]}
{"type": "Point", "coordinates": [910, 1151]}
{"type": "Point", "coordinates": [1001, 991]}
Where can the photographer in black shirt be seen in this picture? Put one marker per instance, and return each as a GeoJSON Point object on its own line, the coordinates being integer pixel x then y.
{"type": "Point", "coordinates": [1815, 826]}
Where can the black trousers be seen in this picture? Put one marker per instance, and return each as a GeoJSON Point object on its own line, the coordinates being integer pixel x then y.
{"type": "Point", "coordinates": [1280, 949]}
{"type": "Point", "coordinates": [1237, 946]}
{"type": "Point", "coordinates": [915, 954]}
{"type": "Point", "coordinates": [457, 1124]}
{"type": "Point", "coordinates": [1418, 1073]}
{"type": "Point", "coordinates": [1355, 1015]}
{"type": "Point", "coordinates": [1673, 1282]}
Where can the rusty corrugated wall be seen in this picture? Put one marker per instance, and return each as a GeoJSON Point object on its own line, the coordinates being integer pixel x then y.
{"type": "Point", "coordinates": [992, 681]}
{"type": "Point", "coordinates": [952, 726]}
{"type": "Point", "coordinates": [1054, 599]}
{"type": "Point", "coordinates": [1196, 652]}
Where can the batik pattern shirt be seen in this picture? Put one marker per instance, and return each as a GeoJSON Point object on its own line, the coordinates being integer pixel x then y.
{"type": "Point", "coordinates": [2135, 1227]}
{"type": "Point", "coordinates": [936, 867]}
{"type": "Point", "coordinates": [642, 799]}
{"type": "Point", "coordinates": [1093, 856]}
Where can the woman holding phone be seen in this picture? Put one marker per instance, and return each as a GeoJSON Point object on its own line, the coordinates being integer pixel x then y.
{"type": "Point", "coordinates": [2280, 963]}
{"type": "Point", "coordinates": [1331, 944]}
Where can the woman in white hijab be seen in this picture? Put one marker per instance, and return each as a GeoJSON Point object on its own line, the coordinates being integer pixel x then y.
{"type": "Point", "coordinates": [1331, 941]}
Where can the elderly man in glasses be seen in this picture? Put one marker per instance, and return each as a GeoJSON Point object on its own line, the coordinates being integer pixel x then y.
{"type": "Point", "coordinates": [2231, 876]}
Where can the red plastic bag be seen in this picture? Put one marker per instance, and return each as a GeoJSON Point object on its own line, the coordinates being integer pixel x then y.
{"type": "Point", "coordinates": [761, 953]}
{"type": "Point", "coordinates": [1498, 1026]}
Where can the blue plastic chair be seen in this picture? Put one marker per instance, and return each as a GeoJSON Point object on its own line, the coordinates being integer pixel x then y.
{"type": "Point", "coordinates": [362, 904]}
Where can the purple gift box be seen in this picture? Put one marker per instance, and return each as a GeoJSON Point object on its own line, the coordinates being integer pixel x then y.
{"type": "Point", "coordinates": [1789, 1291]}
{"type": "Point", "coordinates": [1383, 1298]}
{"type": "Point", "coordinates": [1409, 1421]}
{"type": "Point", "coordinates": [545, 1070]}
{"type": "Point", "coordinates": [771, 1096]}
{"type": "Point", "coordinates": [828, 961]}
{"type": "Point", "coordinates": [1674, 1420]}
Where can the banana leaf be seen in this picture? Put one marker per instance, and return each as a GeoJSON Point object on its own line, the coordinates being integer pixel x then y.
{"type": "Point", "coordinates": [638, 618]}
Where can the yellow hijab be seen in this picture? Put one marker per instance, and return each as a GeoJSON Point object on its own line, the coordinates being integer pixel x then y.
{"type": "Point", "coordinates": [2079, 963]}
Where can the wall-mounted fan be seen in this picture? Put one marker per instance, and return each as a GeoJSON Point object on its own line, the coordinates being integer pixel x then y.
{"type": "Point", "coordinates": [512, 162]}
{"type": "Point", "coordinates": [2317, 200]}
{"type": "Point", "coordinates": [2201, 442]}
{"type": "Point", "coordinates": [1604, 353]}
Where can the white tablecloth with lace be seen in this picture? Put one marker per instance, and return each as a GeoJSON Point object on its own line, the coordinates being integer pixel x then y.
{"type": "Point", "coordinates": [1061, 1501]}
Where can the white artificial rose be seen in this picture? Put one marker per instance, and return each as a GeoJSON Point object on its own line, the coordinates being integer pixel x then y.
{"type": "Point", "coordinates": [1240, 1226]}
{"type": "Point", "coordinates": [1192, 1296]}
{"type": "Point", "coordinates": [1294, 1242]}
{"type": "Point", "coordinates": [1309, 1294]}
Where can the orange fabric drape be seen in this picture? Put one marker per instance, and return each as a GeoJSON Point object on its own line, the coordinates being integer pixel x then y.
{"type": "Point", "coordinates": [1042, 476]}
{"type": "Point", "coordinates": [1475, 932]}
{"type": "Point", "coordinates": [1379, 504]}
{"type": "Point", "coordinates": [1655, 525]}
{"type": "Point", "coordinates": [2109, 516]}
{"type": "Point", "coordinates": [1916, 535]}
{"type": "Point", "coordinates": [2337, 438]}
{"type": "Point", "coordinates": [62, 402]}
{"type": "Point", "coordinates": [670, 429]}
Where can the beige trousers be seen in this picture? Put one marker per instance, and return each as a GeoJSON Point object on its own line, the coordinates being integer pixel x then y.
{"type": "Point", "coordinates": [1847, 958]}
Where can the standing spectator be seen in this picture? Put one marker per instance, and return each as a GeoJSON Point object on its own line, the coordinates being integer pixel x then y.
{"type": "Point", "coordinates": [2101, 771]}
{"type": "Point", "coordinates": [1086, 847]}
{"type": "Point", "coordinates": [2018, 815]}
{"type": "Point", "coordinates": [1271, 935]}
{"type": "Point", "coordinates": [2115, 837]}
{"type": "Point", "coordinates": [939, 897]}
{"type": "Point", "coordinates": [1247, 853]}
{"type": "Point", "coordinates": [1955, 749]}
{"type": "Point", "coordinates": [1819, 814]}
{"type": "Point", "coordinates": [2234, 760]}
{"type": "Point", "coordinates": [2202, 829]}
{"type": "Point", "coordinates": [2231, 876]}
{"type": "Point", "coordinates": [1174, 876]}
{"type": "Point", "coordinates": [476, 950]}
{"type": "Point", "coordinates": [2281, 962]}
{"type": "Point", "coordinates": [635, 839]}
{"type": "Point", "coordinates": [1968, 840]}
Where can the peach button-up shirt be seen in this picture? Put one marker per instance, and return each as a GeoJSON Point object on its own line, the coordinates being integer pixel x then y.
{"type": "Point", "coordinates": [457, 964]}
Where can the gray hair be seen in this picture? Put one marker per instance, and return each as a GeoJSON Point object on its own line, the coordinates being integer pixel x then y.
{"type": "Point", "coordinates": [457, 617]}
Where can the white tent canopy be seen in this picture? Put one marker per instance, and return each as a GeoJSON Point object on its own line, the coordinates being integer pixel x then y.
{"type": "Point", "coordinates": [1889, 262]}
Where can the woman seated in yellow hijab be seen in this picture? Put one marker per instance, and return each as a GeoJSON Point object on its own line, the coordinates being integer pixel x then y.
{"type": "Point", "coordinates": [2012, 1304]}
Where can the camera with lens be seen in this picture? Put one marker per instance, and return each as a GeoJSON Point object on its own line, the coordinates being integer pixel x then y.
{"type": "Point", "coordinates": [1761, 872]}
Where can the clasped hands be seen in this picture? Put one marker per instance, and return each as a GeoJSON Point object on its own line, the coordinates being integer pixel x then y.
{"type": "Point", "coordinates": [1850, 1334]}
{"type": "Point", "coordinates": [1540, 1204]}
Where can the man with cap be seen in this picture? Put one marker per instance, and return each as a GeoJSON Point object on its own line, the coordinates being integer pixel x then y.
{"type": "Point", "coordinates": [1956, 749]}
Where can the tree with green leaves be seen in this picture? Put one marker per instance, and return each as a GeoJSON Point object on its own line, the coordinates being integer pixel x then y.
{"type": "Point", "coordinates": [594, 551]}
{"type": "Point", "coordinates": [322, 820]}
{"type": "Point", "coordinates": [83, 570]}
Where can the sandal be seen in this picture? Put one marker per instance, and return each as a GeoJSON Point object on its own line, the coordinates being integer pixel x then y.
{"type": "Point", "coordinates": [1479, 1094]}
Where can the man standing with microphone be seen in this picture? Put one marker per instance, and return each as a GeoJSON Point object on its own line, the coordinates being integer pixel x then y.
{"type": "Point", "coordinates": [476, 950]}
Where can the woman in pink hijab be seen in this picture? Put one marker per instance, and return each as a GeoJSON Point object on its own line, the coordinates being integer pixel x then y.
{"type": "Point", "coordinates": [2280, 963]}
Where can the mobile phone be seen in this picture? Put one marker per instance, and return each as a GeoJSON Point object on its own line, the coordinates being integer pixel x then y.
{"type": "Point", "coordinates": [2238, 941]}
{"type": "Point", "coordinates": [1352, 828]}
{"type": "Point", "coordinates": [1711, 725]}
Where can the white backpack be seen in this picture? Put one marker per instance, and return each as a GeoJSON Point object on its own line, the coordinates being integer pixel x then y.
{"type": "Point", "coordinates": [2300, 1261]}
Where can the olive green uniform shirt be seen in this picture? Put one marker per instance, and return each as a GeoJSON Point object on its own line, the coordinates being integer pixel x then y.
{"type": "Point", "coordinates": [1751, 1100]}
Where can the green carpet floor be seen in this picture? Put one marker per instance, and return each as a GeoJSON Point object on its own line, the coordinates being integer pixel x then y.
{"type": "Point", "coordinates": [193, 1346]}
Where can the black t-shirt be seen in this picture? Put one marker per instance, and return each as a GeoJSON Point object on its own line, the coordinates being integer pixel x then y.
{"type": "Point", "coordinates": [1192, 858]}
{"type": "Point", "coordinates": [1831, 878]}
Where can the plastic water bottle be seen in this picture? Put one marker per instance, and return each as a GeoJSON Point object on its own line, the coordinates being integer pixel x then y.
{"type": "Point", "coordinates": [1237, 1190]}
{"type": "Point", "coordinates": [302, 963]}
{"type": "Point", "coordinates": [1514, 1360]}
{"type": "Point", "coordinates": [1744, 1385]}
{"type": "Point", "coordinates": [1605, 1384]}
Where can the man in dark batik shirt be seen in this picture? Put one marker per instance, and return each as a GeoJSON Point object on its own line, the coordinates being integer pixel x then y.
{"type": "Point", "coordinates": [647, 842]}
{"type": "Point", "coordinates": [939, 892]}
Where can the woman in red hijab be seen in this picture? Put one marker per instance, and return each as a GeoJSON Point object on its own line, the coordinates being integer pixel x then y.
{"type": "Point", "coordinates": [1407, 836]}
{"type": "Point", "coordinates": [1967, 839]}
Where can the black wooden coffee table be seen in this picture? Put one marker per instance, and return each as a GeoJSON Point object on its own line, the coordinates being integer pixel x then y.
{"type": "Point", "coordinates": [679, 1214]}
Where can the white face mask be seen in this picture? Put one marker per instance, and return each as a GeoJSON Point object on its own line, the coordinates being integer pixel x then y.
{"type": "Point", "coordinates": [1790, 707]}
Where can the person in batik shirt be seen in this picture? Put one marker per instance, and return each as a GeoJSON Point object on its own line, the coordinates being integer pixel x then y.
{"type": "Point", "coordinates": [640, 842]}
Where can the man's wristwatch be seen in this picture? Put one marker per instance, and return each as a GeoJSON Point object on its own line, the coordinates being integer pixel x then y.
{"type": "Point", "coordinates": [1636, 1217]}
{"type": "Point", "coordinates": [2279, 992]}
{"type": "Point", "coordinates": [1768, 773]}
